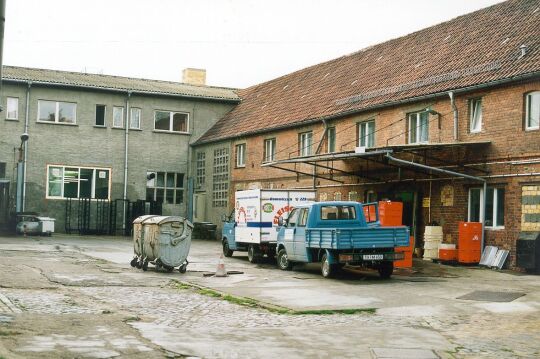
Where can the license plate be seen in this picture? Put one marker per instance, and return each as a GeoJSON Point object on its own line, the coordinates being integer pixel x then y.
{"type": "Point", "coordinates": [372, 257]}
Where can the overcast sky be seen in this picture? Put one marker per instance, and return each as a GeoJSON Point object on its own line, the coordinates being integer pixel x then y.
{"type": "Point", "coordinates": [239, 42]}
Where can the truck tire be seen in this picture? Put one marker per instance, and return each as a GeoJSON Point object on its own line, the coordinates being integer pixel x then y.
{"type": "Point", "coordinates": [254, 254]}
{"type": "Point", "coordinates": [283, 261]}
{"type": "Point", "coordinates": [327, 270]}
{"type": "Point", "coordinates": [227, 252]}
{"type": "Point", "coordinates": [386, 269]}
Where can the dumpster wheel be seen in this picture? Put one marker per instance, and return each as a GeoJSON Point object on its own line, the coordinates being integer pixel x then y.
{"type": "Point", "coordinates": [183, 267]}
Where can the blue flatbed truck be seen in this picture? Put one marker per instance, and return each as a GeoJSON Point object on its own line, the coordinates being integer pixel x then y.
{"type": "Point", "coordinates": [339, 233]}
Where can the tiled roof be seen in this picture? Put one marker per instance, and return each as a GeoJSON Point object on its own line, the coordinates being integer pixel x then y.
{"type": "Point", "coordinates": [78, 79]}
{"type": "Point", "coordinates": [482, 47]}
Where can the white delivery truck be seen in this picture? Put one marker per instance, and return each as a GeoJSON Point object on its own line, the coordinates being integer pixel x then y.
{"type": "Point", "coordinates": [253, 225]}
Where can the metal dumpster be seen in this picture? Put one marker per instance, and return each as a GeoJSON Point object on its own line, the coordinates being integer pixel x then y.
{"type": "Point", "coordinates": [33, 224]}
{"type": "Point", "coordinates": [161, 240]}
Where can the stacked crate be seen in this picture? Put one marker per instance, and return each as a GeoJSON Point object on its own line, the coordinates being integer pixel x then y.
{"type": "Point", "coordinates": [433, 236]}
{"type": "Point", "coordinates": [391, 214]}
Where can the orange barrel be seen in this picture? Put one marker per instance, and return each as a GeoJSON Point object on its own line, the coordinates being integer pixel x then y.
{"type": "Point", "coordinates": [469, 242]}
{"type": "Point", "coordinates": [407, 261]}
{"type": "Point", "coordinates": [391, 213]}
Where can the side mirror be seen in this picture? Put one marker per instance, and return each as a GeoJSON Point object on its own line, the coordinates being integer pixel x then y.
{"type": "Point", "coordinates": [281, 222]}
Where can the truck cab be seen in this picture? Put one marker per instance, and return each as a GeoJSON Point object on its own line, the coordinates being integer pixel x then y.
{"type": "Point", "coordinates": [339, 233]}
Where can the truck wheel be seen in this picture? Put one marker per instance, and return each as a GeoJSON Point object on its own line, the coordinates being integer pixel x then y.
{"type": "Point", "coordinates": [254, 254]}
{"type": "Point", "coordinates": [227, 252]}
{"type": "Point", "coordinates": [283, 261]}
{"type": "Point", "coordinates": [327, 270]}
{"type": "Point", "coordinates": [386, 269]}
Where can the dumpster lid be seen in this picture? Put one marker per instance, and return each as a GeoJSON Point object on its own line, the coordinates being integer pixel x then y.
{"type": "Point", "coordinates": [46, 218]}
{"type": "Point", "coordinates": [144, 218]}
{"type": "Point", "coordinates": [164, 219]}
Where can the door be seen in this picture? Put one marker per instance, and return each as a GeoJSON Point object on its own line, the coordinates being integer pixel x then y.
{"type": "Point", "coordinates": [199, 207]}
{"type": "Point", "coordinates": [4, 204]}
{"type": "Point", "coordinates": [299, 241]}
{"type": "Point", "coordinates": [288, 237]}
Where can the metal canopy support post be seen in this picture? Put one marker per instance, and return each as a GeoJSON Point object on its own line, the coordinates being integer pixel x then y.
{"type": "Point", "coordinates": [452, 173]}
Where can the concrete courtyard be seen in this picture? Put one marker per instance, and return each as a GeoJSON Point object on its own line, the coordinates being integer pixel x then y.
{"type": "Point", "coordinates": [71, 296]}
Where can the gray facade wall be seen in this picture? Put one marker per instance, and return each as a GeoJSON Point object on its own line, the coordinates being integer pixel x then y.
{"type": "Point", "coordinates": [86, 145]}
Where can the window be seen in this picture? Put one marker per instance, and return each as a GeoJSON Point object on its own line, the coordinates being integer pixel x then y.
{"type": "Point", "coordinates": [305, 143]}
{"type": "Point", "coordinates": [475, 111]}
{"type": "Point", "coordinates": [57, 112]}
{"type": "Point", "coordinates": [135, 118]}
{"type": "Point", "coordinates": [338, 212]}
{"type": "Point", "coordinates": [100, 115]}
{"type": "Point", "coordinates": [78, 182]}
{"type": "Point", "coordinates": [12, 108]}
{"type": "Point", "coordinates": [293, 218]}
{"type": "Point", "coordinates": [165, 187]}
{"type": "Point", "coordinates": [418, 127]}
{"type": "Point", "coordinates": [220, 189]}
{"type": "Point", "coordinates": [331, 133]}
{"type": "Point", "coordinates": [270, 150]}
{"type": "Point", "coordinates": [118, 117]}
{"type": "Point", "coordinates": [171, 121]}
{"type": "Point", "coordinates": [532, 113]}
{"type": "Point", "coordinates": [201, 169]}
{"type": "Point", "coordinates": [241, 155]}
{"type": "Point", "coordinates": [366, 134]}
{"type": "Point", "coordinates": [302, 217]}
{"type": "Point", "coordinates": [494, 206]}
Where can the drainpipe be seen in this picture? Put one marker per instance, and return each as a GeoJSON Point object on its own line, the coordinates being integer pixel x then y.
{"type": "Point", "coordinates": [319, 146]}
{"type": "Point", "coordinates": [25, 144]}
{"type": "Point", "coordinates": [455, 110]}
{"type": "Point", "coordinates": [126, 149]}
{"type": "Point", "coordinates": [451, 173]}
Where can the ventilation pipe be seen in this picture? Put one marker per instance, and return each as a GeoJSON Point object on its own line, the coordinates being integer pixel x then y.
{"type": "Point", "coordinates": [455, 111]}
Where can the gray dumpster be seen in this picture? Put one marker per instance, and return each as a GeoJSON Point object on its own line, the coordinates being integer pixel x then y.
{"type": "Point", "coordinates": [161, 240]}
{"type": "Point", "coordinates": [31, 224]}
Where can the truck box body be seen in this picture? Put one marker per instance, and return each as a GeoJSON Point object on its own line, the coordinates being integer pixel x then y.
{"type": "Point", "coordinates": [257, 212]}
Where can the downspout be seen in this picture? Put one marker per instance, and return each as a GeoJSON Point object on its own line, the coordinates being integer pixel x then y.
{"type": "Point", "coordinates": [455, 111]}
{"type": "Point", "coordinates": [452, 173]}
{"type": "Point", "coordinates": [25, 149]}
{"type": "Point", "coordinates": [126, 149]}
{"type": "Point", "coordinates": [319, 146]}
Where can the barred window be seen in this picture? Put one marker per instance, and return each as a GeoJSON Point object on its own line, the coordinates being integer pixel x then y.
{"type": "Point", "coordinates": [220, 189]}
{"type": "Point", "coordinates": [201, 169]}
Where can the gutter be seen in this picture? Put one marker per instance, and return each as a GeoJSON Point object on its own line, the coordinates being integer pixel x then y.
{"type": "Point", "coordinates": [523, 77]}
{"type": "Point", "coordinates": [126, 149]}
{"type": "Point", "coordinates": [451, 173]}
{"type": "Point", "coordinates": [110, 89]}
{"type": "Point", "coordinates": [25, 144]}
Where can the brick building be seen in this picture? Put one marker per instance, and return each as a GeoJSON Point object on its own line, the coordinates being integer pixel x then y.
{"type": "Point", "coordinates": [427, 119]}
{"type": "Point", "coordinates": [105, 139]}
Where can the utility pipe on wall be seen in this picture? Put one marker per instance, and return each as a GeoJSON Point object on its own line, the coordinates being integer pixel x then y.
{"type": "Point", "coordinates": [25, 144]}
{"type": "Point", "coordinates": [126, 151]}
{"type": "Point", "coordinates": [455, 111]}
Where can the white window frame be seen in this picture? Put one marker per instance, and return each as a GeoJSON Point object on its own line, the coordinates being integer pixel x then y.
{"type": "Point", "coordinates": [57, 112]}
{"type": "Point", "coordinates": [306, 148]}
{"type": "Point", "coordinates": [12, 105]}
{"type": "Point", "coordinates": [364, 141]}
{"type": "Point", "coordinates": [171, 116]}
{"type": "Point", "coordinates": [241, 155]}
{"type": "Point", "coordinates": [116, 109]}
{"type": "Point", "coordinates": [329, 142]}
{"type": "Point", "coordinates": [93, 189]}
{"type": "Point", "coordinates": [482, 203]}
{"type": "Point", "coordinates": [201, 169]}
{"type": "Point", "coordinates": [269, 150]}
{"type": "Point", "coordinates": [418, 137]}
{"type": "Point", "coordinates": [528, 111]}
{"type": "Point", "coordinates": [132, 110]}
{"type": "Point", "coordinates": [475, 110]}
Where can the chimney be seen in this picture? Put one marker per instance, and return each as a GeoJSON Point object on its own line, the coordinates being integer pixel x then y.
{"type": "Point", "coordinates": [194, 76]}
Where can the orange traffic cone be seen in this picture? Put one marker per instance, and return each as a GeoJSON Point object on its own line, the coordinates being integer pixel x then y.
{"type": "Point", "coordinates": [220, 271]}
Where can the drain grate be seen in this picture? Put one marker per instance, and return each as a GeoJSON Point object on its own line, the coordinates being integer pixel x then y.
{"type": "Point", "coordinates": [490, 296]}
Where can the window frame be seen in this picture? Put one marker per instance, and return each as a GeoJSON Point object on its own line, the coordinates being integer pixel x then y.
{"type": "Point", "coordinates": [104, 115]}
{"type": "Point", "coordinates": [496, 225]}
{"type": "Point", "coordinates": [93, 188]}
{"type": "Point", "coordinates": [131, 109]}
{"type": "Point", "coordinates": [240, 154]}
{"type": "Point", "coordinates": [115, 108]}
{"type": "Point", "coordinates": [418, 132]}
{"type": "Point", "coordinates": [171, 123]}
{"type": "Point", "coordinates": [472, 103]}
{"type": "Point", "coordinates": [331, 139]}
{"type": "Point", "coordinates": [220, 177]}
{"type": "Point", "coordinates": [272, 142]}
{"type": "Point", "coordinates": [200, 169]}
{"type": "Point", "coordinates": [8, 98]}
{"type": "Point", "coordinates": [528, 97]}
{"type": "Point", "coordinates": [57, 113]}
{"type": "Point", "coordinates": [359, 137]}
{"type": "Point", "coordinates": [304, 150]}
{"type": "Point", "coordinates": [154, 187]}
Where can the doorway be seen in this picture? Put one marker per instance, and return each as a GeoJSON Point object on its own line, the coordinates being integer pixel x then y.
{"type": "Point", "coordinates": [199, 207]}
{"type": "Point", "coordinates": [4, 204]}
